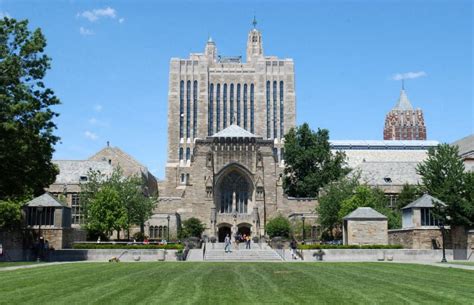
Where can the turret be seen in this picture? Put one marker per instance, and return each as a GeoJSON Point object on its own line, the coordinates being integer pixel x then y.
{"type": "Point", "coordinates": [254, 43]}
{"type": "Point", "coordinates": [211, 50]}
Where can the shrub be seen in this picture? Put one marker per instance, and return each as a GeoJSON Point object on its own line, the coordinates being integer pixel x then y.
{"type": "Point", "coordinates": [192, 227]}
{"type": "Point", "coordinates": [278, 226]}
{"type": "Point", "coordinates": [169, 246]}
{"type": "Point", "coordinates": [139, 236]}
{"type": "Point", "coordinates": [317, 246]}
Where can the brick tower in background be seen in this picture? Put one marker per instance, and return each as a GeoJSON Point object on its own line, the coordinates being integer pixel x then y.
{"type": "Point", "coordinates": [404, 122]}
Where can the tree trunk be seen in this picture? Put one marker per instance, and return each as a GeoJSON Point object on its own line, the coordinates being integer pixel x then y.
{"type": "Point", "coordinates": [142, 228]}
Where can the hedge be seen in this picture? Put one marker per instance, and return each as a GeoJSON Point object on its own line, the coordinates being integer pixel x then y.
{"type": "Point", "coordinates": [310, 247]}
{"type": "Point", "coordinates": [125, 246]}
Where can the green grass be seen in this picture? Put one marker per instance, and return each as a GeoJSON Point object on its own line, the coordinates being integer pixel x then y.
{"type": "Point", "coordinates": [12, 264]}
{"type": "Point", "coordinates": [462, 263]}
{"type": "Point", "coordinates": [237, 283]}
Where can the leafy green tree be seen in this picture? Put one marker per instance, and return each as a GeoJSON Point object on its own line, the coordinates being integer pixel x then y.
{"type": "Point", "coordinates": [408, 194]}
{"type": "Point", "coordinates": [26, 115]}
{"type": "Point", "coordinates": [10, 214]}
{"type": "Point", "coordinates": [278, 226]}
{"type": "Point", "coordinates": [192, 227]}
{"type": "Point", "coordinates": [443, 177]}
{"type": "Point", "coordinates": [330, 203]}
{"type": "Point", "coordinates": [309, 162]}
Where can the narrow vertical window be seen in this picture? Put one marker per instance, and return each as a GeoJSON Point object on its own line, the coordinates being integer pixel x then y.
{"type": "Point", "coordinates": [282, 112]}
{"type": "Point", "coordinates": [282, 154]}
{"type": "Point", "coordinates": [188, 109]}
{"type": "Point", "coordinates": [252, 110]}
{"type": "Point", "coordinates": [224, 101]}
{"type": "Point", "coordinates": [218, 107]}
{"type": "Point", "coordinates": [268, 110]}
{"type": "Point", "coordinates": [181, 109]}
{"type": "Point", "coordinates": [188, 153]}
{"type": "Point", "coordinates": [238, 104]}
{"type": "Point", "coordinates": [231, 104]}
{"type": "Point", "coordinates": [180, 153]}
{"type": "Point", "coordinates": [245, 106]}
{"type": "Point", "coordinates": [275, 130]}
{"type": "Point", "coordinates": [210, 111]}
{"type": "Point", "coordinates": [195, 108]}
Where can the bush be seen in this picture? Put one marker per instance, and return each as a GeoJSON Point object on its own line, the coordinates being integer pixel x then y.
{"type": "Point", "coordinates": [139, 236]}
{"type": "Point", "coordinates": [317, 246]}
{"type": "Point", "coordinates": [169, 246]}
{"type": "Point", "coordinates": [278, 226]}
{"type": "Point", "coordinates": [192, 227]}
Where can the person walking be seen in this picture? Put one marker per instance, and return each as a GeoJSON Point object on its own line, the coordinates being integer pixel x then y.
{"type": "Point", "coordinates": [247, 241]}
{"type": "Point", "coordinates": [237, 240]}
{"type": "Point", "coordinates": [293, 247]}
{"type": "Point", "coordinates": [227, 243]}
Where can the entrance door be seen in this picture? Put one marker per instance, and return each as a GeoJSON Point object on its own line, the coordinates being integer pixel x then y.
{"type": "Point", "coordinates": [244, 230]}
{"type": "Point", "coordinates": [223, 231]}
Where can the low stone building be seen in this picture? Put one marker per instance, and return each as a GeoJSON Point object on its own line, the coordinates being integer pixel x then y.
{"type": "Point", "coordinates": [365, 226]}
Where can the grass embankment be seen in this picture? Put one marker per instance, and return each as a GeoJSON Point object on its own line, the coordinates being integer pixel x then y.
{"type": "Point", "coordinates": [13, 264]}
{"type": "Point", "coordinates": [237, 283]}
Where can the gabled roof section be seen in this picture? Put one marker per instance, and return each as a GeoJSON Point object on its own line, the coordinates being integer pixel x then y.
{"type": "Point", "coordinates": [425, 201]}
{"type": "Point", "coordinates": [465, 145]}
{"type": "Point", "coordinates": [365, 213]}
{"type": "Point", "coordinates": [403, 102]}
{"type": "Point", "coordinates": [234, 131]}
{"type": "Point", "coordinates": [72, 171]}
{"type": "Point", "coordinates": [45, 200]}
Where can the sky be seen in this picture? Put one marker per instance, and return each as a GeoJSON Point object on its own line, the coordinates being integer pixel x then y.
{"type": "Point", "coordinates": [110, 64]}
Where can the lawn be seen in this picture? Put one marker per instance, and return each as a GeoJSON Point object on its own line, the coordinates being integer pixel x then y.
{"type": "Point", "coordinates": [237, 283]}
{"type": "Point", "coordinates": [462, 263]}
{"type": "Point", "coordinates": [11, 264]}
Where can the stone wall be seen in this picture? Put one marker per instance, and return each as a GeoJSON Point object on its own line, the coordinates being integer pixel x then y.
{"type": "Point", "coordinates": [366, 232]}
{"type": "Point", "coordinates": [420, 238]}
{"type": "Point", "coordinates": [105, 254]}
{"type": "Point", "coordinates": [373, 255]}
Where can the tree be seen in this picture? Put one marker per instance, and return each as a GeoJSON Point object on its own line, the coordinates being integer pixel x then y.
{"type": "Point", "coordinates": [278, 226]}
{"type": "Point", "coordinates": [407, 195]}
{"type": "Point", "coordinates": [26, 116]}
{"type": "Point", "coordinates": [10, 214]}
{"type": "Point", "coordinates": [309, 162]}
{"type": "Point", "coordinates": [330, 203]}
{"type": "Point", "coordinates": [443, 177]}
{"type": "Point", "coordinates": [365, 196]}
{"type": "Point", "coordinates": [192, 227]}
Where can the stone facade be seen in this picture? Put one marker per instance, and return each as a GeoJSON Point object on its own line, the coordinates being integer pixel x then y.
{"type": "Point", "coordinates": [420, 238]}
{"type": "Point", "coordinates": [367, 232]}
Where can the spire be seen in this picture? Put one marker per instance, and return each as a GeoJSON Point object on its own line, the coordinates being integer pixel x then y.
{"type": "Point", "coordinates": [254, 22]}
{"type": "Point", "coordinates": [403, 102]}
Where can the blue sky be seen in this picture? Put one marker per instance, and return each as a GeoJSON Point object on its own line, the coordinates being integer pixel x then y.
{"type": "Point", "coordinates": [111, 58]}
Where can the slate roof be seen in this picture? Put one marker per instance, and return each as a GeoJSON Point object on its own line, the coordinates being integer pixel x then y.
{"type": "Point", "coordinates": [70, 171]}
{"type": "Point", "coordinates": [465, 145]}
{"type": "Point", "coordinates": [403, 102]}
{"type": "Point", "coordinates": [365, 213]}
{"type": "Point", "coordinates": [233, 131]}
{"type": "Point", "coordinates": [388, 173]}
{"type": "Point", "coordinates": [383, 144]}
{"type": "Point", "coordinates": [425, 201]}
{"type": "Point", "coordinates": [45, 200]}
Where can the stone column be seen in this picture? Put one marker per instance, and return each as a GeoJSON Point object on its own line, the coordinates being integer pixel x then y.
{"type": "Point", "coordinates": [234, 203]}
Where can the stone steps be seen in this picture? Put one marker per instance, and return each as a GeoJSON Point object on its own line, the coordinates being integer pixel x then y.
{"type": "Point", "coordinates": [242, 255]}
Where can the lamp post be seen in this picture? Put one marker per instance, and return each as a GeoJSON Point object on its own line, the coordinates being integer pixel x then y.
{"type": "Point", "coordinates": [302, 218]}
{"type": "Point", "coordinates": [443, 236]}
{"type": "Point", "coordinates": [168, 231]}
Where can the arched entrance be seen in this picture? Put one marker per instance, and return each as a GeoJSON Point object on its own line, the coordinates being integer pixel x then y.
{"type": "Point", "coordinates": [223, 231]}
{"type": "Point", "coordinates": [244, 228]}
{"type": "Point", "coordinates": [234, 192]}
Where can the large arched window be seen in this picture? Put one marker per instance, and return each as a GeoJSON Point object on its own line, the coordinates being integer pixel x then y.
{"type": "Point", "coordinates": [268, 110]}
{"type": "Point", "coordinates": [188, 153]}
{"type": "Point", "coordinates": [188, 109]}
{"type": "Point", "coordinates": [275, 130]}
{"type": "Point", "coordinates": [181, 109]}
{"type": "Point", "coordinates": [245, 106]}
{"type": "Point", "coordinates": [218, 107]}
{"type": "Point", "coordinates": [152, 232]}
{"type": "Point", "coordinates": [195, 108]}
{"type": "Point", "coordinates": [252, 109]}
{"type": "Point", "coordinates": [282, 112]}
{"type": "Point", "coordinates": [210, 111]}
{"type": "Point", "coordinates": [231, 104]}
{"type": "Point", "coordinates": [238, 104]}
{"type": "Point", "coordinates": [234, 193]}
{"type": "Point", "coordinates": [180, 153]}
{"type": "Point", "coordinates": [224, 102]}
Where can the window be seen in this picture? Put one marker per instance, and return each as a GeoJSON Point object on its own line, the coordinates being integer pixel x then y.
{"type": "Point", "coordinates": [76, 211]}
{"type": "Point", "coordinates": [275, 130]}
{"type": "Point", "coordinates": [183, 179]}
{"type": "Point", "coordinates": [210, 110]}
{"type": "Point", "coordinates": [83, 178]}
{"type": "Point", "coordinates": [188, 109]}
{"type": "Point", "coordinates": [231, 104]}
{"type": "Point", "coordinates": [252, 110]}
{"type": "Point", "coordinates": [282, 111]}
{"type": "Point", "coordinates": [268, 110]}
{"type": "Point", "coordinates": [181, 108]}
{"type": "Point", "coordinates": [245, 106]}
{"type": "Point", "coordinates": [188, 153]}
{"type": "Point", "coordinates": [282, 154]}
{"type": "Point", "coordinates": [224, 115]}
{"type": "Point", "coordinates": [180, 153]}
{"type": "Point", "coordinates": [45, 217]}
{"type": "Point", "coordinates": [218, 107]}
{"type": "Point", "coordinates": [195, 107]}
{"type": "Point", "coordinates": [238, 104]}
{"type": "Point", "coordinates": [187, 179]}
{"type": "Point", "coordinates": [427, 217]}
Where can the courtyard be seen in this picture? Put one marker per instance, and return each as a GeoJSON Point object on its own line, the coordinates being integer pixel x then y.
{"type": "Point", "coordinates": [237, 283]}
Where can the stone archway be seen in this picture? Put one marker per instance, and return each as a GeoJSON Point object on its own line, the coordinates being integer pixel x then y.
{"type": "Point", "coordinates": [222, 231]}
{"type": "Point", "coordinates": [234, 192]}
{"type": "Point", "coordinates": [244, 228]}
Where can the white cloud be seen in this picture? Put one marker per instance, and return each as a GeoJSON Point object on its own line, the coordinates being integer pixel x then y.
{"type": "Point", "coordinates": [98, 108]}
{"type": "Point", "coordinates": [409, 75]}
{"type": "Point", "coordinates": [85, 32]}
{"type": "Point", "coordinates": [5, 14]}
{"type": "Point", "coordinates": [96, 122]}
{"type": "Point", "coordinates": [96, 14]}
{"type": "Point", "coordinates": [90, 135]}
{"type": "Point", "coordinates": [121, 20]}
